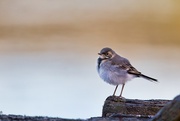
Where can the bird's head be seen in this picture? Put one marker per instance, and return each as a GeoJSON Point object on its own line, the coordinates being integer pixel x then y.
{"type": "Point", "coordinates": [106, 53]}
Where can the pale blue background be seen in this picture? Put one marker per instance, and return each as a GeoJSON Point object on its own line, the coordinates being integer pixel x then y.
{"type": "Point", "coordinates": [48, 52]}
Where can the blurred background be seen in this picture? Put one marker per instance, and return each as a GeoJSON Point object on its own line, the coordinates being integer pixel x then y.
{"type": "Point", "coordinates": [48, 52]}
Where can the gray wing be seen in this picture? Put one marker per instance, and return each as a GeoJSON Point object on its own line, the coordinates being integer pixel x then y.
{"type": "Point", "coordinates": [124, 63]}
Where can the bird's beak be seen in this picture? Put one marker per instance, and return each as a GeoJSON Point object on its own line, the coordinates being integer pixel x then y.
{"type": "Point", "coordinates": [99, 54]}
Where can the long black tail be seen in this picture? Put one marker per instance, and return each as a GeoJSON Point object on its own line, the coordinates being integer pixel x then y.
{"type": "Point", "coordinates": [148, 78]}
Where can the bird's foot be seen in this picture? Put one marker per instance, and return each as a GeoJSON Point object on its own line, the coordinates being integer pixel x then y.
{"type": "Point", "coordinates": [118, 96]}
{"type": "Point", "coordinates": [123, 98]}
{"type": "Point", "coordinates": [114, 95]}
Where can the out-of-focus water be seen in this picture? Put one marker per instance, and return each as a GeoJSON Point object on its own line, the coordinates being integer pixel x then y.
{"type": "Point", "coordinates": [48, 55]}
{"type": "Point", "coordinates": [65, 83]}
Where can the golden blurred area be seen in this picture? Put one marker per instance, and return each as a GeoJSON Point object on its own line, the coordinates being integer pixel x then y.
{"type": "Point", "coordinates": [39, 23]}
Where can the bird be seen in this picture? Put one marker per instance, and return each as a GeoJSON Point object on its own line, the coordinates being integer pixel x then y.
{"type": "Point", "coordinates": [117, 70]}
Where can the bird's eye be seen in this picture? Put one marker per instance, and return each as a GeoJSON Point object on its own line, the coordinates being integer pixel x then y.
{"type": "Point", "coordinates": [106, 54]}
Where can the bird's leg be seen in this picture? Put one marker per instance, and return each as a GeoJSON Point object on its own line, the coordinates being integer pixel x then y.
{"type": "Point", "coordinates": [122, 90]}
{"type": "Point", "coordinates": [115, 90]}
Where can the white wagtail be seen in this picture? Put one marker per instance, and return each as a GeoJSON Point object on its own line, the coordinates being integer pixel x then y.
{"type": "Point", "coordinates": [116, 70]}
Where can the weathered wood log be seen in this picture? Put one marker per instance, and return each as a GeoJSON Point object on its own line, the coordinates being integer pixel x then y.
{"type": "Point", "coordinates": [118, 106]}
{"type": "Point", "coordinates": [4, 117]}
{"type": "Point", "coordinates": [40, 118]}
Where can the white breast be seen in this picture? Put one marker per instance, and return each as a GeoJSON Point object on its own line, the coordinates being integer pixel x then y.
{"type": "Point", "coordinates": [113, 74]}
